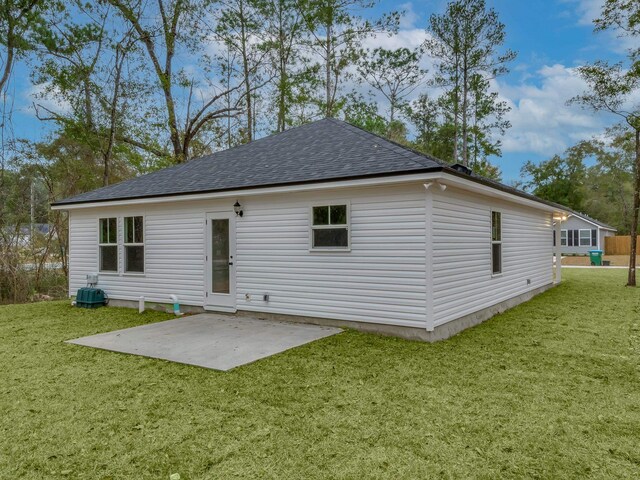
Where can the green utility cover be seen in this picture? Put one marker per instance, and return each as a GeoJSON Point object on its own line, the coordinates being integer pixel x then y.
{"type": "Point", "coordinates": [89, 297]}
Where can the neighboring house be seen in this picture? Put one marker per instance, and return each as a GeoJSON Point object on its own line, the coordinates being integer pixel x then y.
{"type": "Point", "coordinates": [21, 235]}
{"type": "Point", "coordinates": [324, 223]}
{"type": "Point", "coordinates": [581, 233]}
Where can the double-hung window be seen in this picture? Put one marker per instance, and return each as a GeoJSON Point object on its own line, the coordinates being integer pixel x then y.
{"type": "Point", "coordinates": [108, 244]}
{"type": "Point", "coordinates": [563, 238]}
{"type": "Point", "coordinates": [496, 243]}
{"type": "Point", "coordinates": [330, 227]}
{"type": "Point", "coordinates": [134, 244]}
{"type": "Point", "coordinates": [589, 238]}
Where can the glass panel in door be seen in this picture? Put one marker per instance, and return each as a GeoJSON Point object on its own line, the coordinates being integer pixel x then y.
{"type": "Point", "coordinates": [220, 255]}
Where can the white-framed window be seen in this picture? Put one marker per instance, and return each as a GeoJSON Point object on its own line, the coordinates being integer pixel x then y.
{"type": "Point", "coordinates": [585, 238]}
{"type": "Point", "coordinates": [563, 238]}
{"type": "Point", "coordinates": [330, 227]}
{"type": "Point", "coordinates": [134, 244]}
{"type": "Point", "coordinates": [108, 245]}
{"type": "Point", "coordinates": [496, 242]}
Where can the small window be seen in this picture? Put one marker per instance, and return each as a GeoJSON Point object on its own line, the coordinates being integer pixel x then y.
{"type": "Point", "coordinates": [585, 238]}
{"type": "Point", "coordinates": [134, 244]}
{"type": "Point", "coordinates": [496, 243]}
{"type": "Point", "coordinates": [330, 227]}
{"type": "Point", "coordinates": [563, 238]}
{"type": "Point", "coordinates": [108, 242]}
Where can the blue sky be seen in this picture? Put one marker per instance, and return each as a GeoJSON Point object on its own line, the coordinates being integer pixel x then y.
{"type": "Point", "coordinates": [551, 37]}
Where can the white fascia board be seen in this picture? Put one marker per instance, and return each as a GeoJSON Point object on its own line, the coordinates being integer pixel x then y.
{"type": "Point", "coordinates": [250, 192]}
{"type": "Point", "coordinates": [444, 178]}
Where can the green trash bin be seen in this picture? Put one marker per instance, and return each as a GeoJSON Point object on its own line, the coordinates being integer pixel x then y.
{"type": "Point", "coordinates": [596, 257]}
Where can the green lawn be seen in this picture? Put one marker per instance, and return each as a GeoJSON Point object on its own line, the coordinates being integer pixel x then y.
{"type": "Point", "coordinates": [550, 389]}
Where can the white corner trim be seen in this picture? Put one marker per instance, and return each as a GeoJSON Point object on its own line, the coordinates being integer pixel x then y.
{"type": "Point", "coordinates": [428, 223]}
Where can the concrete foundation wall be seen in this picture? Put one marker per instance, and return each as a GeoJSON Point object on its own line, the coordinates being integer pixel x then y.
{"type": "Point", "coordinates": [441, 332]}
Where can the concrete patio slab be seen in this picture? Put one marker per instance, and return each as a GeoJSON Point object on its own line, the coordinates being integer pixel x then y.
{"type": "Point", "coordinates": [220, 342]}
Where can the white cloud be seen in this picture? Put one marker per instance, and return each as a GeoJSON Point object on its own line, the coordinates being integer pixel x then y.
{"type": "Point", "coordinates": [410, 17]}
{"type": "Point", "coordinates": [48, 97]}
{"type": "Point", "coordinates": [589, 10]}
{"type": "Point", "coordinates": [542, 122]}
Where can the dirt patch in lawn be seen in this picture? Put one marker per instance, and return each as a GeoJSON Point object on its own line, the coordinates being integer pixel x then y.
{"type": "Point", "coordinates": [616, 260]}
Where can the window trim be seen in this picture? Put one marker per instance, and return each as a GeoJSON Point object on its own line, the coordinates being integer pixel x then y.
{"type": "Point", "coordinates": [313, 227]}
{"type": "Point", "coordinates": [566, 237]}
{"type": "Point", "coordinates": [496, 242]}
{"type": "Point", "coordinates": [108, 244]}
{"type": "Point", "coordinates": [125, 272]}
{"type": "Point", "coordinates": [580, 237]}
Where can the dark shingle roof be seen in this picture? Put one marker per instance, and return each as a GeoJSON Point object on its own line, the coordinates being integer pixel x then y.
{"type": "Point", "coordinates": [328, 149]}
{"type": "Point", "coordinates": [325, 150]}
{"type": "Point", "coordinates": [592, 220]}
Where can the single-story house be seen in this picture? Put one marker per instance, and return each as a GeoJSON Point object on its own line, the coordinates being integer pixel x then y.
{"type": "Point", "coordinates": [581, 233]}
{"type": "Point", "coordinates": [324, 223]}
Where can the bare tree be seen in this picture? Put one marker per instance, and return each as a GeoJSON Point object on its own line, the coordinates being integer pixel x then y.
{"type": "Point", "coordinates": [172, 26]}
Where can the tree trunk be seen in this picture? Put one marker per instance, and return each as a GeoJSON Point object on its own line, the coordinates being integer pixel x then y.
{"type": "Point", "coordinates": [113, 115]}
{"type": "Point", "coordinates": [228, 96]}
{"type": "Point", "coordinates": [246, 73]}
{"type": "Point", "coordinates": [392, 108]}
{"type": "Point", "coordinates": [329, 108]}
{"type": "Point", "coordinates": [631, 282]}
{"type": "Point", "coordinates": [465, 100]}
{"type": "Point", "coordinates": [282, 120]}
{"type": "Point", "coordinates": [282, 67]}
{"type": "Point", "coordinates": [456, 110]}
{"type": "Point", "coordinates": [8, 66]}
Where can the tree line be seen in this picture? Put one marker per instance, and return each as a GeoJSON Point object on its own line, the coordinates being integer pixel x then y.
{"type": "Point", "coordinates": [609, 189]}
{"type": "Point", "coordinates": [125, 87]}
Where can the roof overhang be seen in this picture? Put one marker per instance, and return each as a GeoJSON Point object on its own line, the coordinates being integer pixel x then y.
{"type": "Point", "coordinates": [444, 177]}
{"type": "Point", "coordinates": [484, 189]}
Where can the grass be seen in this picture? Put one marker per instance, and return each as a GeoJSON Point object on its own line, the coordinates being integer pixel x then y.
{"type": "Point", "coordinates": [549, 389]}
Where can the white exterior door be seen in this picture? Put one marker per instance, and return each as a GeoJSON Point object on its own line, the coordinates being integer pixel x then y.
{"type": "Point", "coordinates": [220, 271]}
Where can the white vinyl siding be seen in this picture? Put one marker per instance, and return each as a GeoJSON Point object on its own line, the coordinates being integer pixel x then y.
{"type": "Point", "coordinates": [462, 278]}
{"type": "Point", "coordinates": [381, 280]}
{"type": "Point", "coordinates": [174, 253]}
